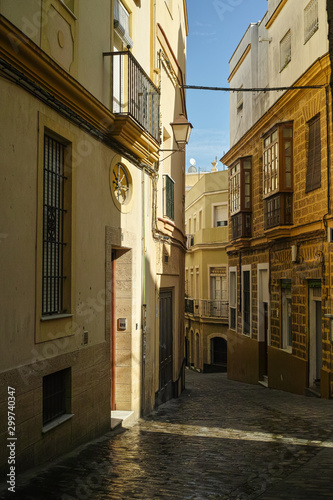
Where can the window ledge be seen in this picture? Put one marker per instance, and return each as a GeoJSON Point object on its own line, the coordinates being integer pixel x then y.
{"type": "Point", "coordinates": [56, 316]}
{"type": "Point", "coordinates": [285, 66]}
{"type": "Point", "coordinates": [288, 350]}
{"type": "Point", "coordinates": [68, 9]}
{"type": "Point", "coordinates": [278, 232]}
{"type": "Point", "coordinates": [164, 219]}
{"type": "Point", "coordinates": [238, 243]}
{"type": "Point", "coordinates": [56, 422]}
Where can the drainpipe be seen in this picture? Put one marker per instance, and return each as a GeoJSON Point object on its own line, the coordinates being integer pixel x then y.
{"type": "Point", "coordinates": [328, 151]}
{"type": "Point", "coordinates": [143, 309]}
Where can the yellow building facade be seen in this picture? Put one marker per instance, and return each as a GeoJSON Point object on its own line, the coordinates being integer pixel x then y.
{"type": "Point", "coordinates": [92, 216]}
{"type": "Point", "coordinates": [206, 266]}
{"type": "Point", "coordinates": [280, 214]}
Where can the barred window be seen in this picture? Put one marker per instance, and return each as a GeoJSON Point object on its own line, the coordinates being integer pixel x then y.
{"type": "Point", "coordinates": [56, 395]}
{"type": "Point", "coordinates": [285, 50]}
{"type": "Point", "coordinates": [311, 21]}
{"type": "Point", "coordinates": [53, 227]}
{"type": "Point", "coordinates": [313, 172]}
{"type": "Point", "coordinates": [168, 194]}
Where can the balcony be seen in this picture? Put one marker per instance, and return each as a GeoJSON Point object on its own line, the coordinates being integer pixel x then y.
{"type": "Point", "coordinates": [208, 309]}
{"type": "Point", "coordinates": [134, 94]}
{"type": "Point", "coordinates": [208, 236]}
{"type": "Point", "coordinates": [278, 210]}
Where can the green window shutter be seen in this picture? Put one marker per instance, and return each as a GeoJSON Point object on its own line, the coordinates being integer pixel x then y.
{"type": "Point", "coordinates": [169, 197]}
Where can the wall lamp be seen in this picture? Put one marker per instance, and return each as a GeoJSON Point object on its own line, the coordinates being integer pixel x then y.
{"type": "Point", "coordinates": [181, 128]}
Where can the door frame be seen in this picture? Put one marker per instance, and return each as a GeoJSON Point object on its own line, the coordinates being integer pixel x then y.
{"type": "Point", "coordinates": [264, 323]}
{"type": "Point", "coordinates": [315, 340]}
{"type": "Point", "coordinates": [165, 391]}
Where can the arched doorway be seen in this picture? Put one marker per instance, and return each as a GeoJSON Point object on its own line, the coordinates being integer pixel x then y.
{"type": "Point", "coordinates": [219, 353]}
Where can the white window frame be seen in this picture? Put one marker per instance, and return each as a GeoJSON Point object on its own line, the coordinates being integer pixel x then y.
{"type": "Point", "coordinates": [235, 188]}
{"type": "Point", "coordinates": [240, 98]}
{"type": "Point", "coordinates": [233, 296]}
{"type": "Point", "coordinates": [246, 268]}
{"type": "Point", "coordinates": [197, 282]}
{"type": "Point", "coordinates": [122, 23]}
{"type": "Point", "coordinates": [311, 20]}
{"type": "Point", "coordinates": [214, 206]}
{"type": "Point", "coordinates": [224, 297]}
{"type": "Point", "coordinates": [263, 296]}
{"type": "Point", "coordinates": [285, 50]}
{"type": "Point", "coordinates": [285, 295]}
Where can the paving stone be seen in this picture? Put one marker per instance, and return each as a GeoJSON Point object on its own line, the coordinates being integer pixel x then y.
{"type": "Point", "coordinates": [221, 440]}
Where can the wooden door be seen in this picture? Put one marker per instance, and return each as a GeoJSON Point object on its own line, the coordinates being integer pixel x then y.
{"type": "Point", "coordinates": [166, 345]}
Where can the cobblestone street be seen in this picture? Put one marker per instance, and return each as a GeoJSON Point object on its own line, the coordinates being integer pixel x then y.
{"type": "Point", "coordinates": [220, 440]}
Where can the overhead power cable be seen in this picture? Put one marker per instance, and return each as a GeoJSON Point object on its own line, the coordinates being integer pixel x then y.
{"type": "Point", "coordinates": [242, 89]}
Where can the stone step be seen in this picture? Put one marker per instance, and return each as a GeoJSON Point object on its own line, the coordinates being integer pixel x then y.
{"type": "Point", "coordinates": [312, 392]}
{"type": "Point", "coordinates": [264, 381]}
{"type": "Point", "coordinates": [121, 418]}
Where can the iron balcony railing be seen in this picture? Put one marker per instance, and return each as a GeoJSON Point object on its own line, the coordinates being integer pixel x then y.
{"type": "Point", "coordinates": [207, 308]}
{"type": "Point", "coordinates": [134, 94]}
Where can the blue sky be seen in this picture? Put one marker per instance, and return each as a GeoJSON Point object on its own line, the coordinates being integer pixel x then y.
{"type": "Point", "coordinates": [215, 29]}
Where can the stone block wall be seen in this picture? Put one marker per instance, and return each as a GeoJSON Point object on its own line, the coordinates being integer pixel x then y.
{"type": "Point", "coordinates": [90, 406]}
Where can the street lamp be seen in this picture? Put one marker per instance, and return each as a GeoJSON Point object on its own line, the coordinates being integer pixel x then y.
{"type": "Point", "coordinates": [181, 128]}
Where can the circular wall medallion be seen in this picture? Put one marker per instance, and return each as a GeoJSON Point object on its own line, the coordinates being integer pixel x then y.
{"type": "Point", "coordinates": [120, 183]}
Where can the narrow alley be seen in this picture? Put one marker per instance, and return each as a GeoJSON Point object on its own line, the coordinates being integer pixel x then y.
{"type": "Point", "coordinates": [219, 440]}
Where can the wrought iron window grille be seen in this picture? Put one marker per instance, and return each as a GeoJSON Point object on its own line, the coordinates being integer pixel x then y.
{"type": "Point", "coordinates": [53, 227]}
